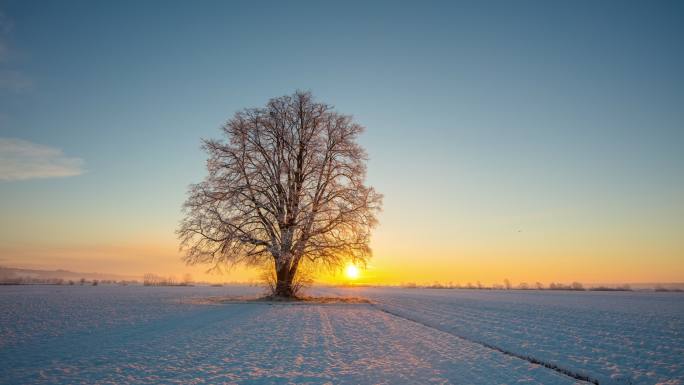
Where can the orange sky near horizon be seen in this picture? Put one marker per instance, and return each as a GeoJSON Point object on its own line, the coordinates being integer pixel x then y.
{"type": "Point", "coordinates": [511, 259]}
{"type": "Point", "coordinates": [450, 238]}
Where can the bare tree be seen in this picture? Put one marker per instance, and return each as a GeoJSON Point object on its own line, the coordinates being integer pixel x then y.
{"type": "Point", "coordinates": [285, 188]}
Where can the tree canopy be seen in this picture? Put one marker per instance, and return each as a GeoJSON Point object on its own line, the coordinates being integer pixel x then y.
{"type": "Point", "coordinates": [285, 186]}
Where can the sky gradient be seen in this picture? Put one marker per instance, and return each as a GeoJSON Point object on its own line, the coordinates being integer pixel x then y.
{"type": "Point", "coordinates": [535, 141]}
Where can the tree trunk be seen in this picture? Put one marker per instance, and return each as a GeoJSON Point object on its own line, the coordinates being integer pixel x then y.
{"type": "Point", "coordinates": [284, 287]}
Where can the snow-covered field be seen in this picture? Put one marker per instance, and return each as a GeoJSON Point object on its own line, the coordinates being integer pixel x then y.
{"type": "Point", "coordinates": [610, 337]}
{"type": "Point", "coordinates": [106, 334]}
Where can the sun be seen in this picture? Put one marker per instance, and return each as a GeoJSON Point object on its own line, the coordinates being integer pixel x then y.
{"type": "Point", "coordinates": [352, 272]}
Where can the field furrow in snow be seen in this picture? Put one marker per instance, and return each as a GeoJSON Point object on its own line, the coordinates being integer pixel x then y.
{"type": "Point", "coordinates": [240, 343]}
{"type": "Point", "coordinates": [616, 338]}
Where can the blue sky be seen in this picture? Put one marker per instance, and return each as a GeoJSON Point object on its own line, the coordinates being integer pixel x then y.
{"type": "Point", "coordinates": [561, 119]}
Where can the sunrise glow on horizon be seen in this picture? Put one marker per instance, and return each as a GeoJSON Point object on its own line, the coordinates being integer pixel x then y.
{"type": "Point", "coordinates": [536, 151]}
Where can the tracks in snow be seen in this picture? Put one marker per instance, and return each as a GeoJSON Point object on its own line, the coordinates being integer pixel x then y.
{"type": "Point", "coordinates": [532, 360]}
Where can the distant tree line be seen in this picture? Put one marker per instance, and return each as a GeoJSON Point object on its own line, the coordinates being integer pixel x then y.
{"type": "Point", "coordinates": [507, 285]}
{"type": "Point", "coordinates": [150, 279]}
{"type": "Point", "coordinates": [25, 280]}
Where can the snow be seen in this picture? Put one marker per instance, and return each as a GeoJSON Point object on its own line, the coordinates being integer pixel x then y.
{"type": "Point", "coordinates": [612, 337]}
{"type": "Point", "coordinates": [109, 334]}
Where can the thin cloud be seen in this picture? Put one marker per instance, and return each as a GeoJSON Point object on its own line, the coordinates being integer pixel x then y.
{"type": "Point", "coordinates": [5, 28]}
{"type": "Point", "coordinates": [4, 51]}
{"type": "Point", "coordinates": [6, 25]}
{"type": "Point", "coordinates": [21, 160]}
{"type": "Point", "coordinates": [11, 79]}
{"type": "Point", "coordinates": [14, 81]}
